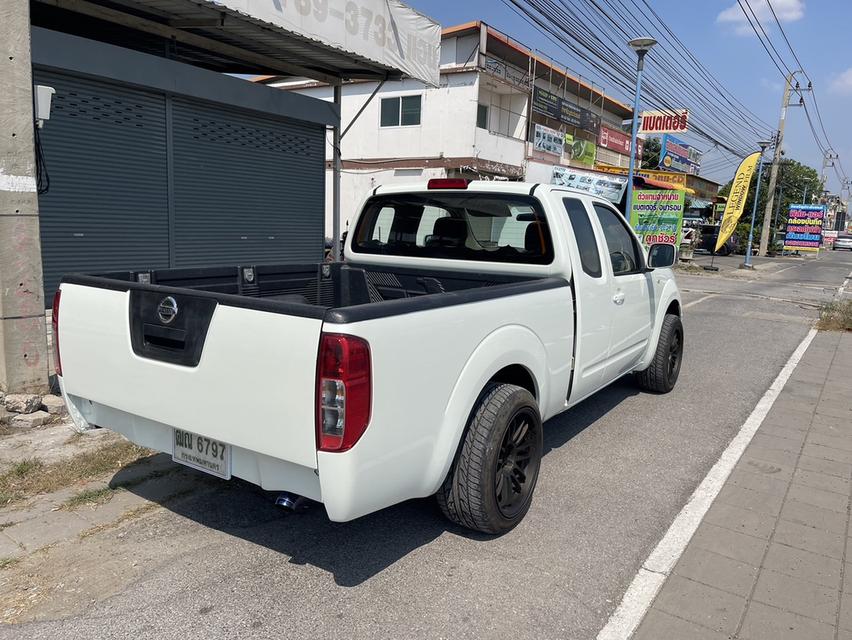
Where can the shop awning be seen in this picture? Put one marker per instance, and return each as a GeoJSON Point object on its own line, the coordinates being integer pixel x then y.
{"type": "Point", "coordinates": [333, 40]}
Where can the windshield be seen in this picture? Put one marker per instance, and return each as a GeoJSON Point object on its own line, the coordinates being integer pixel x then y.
{"type": "Point", "coordinates": [459, 226]}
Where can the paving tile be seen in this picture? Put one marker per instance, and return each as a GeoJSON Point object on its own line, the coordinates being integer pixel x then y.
{"type": "Point", "coordinates": [9, 548]}
{"type": "Point", "coordinates": [842, 442]}
{"type": "Point", "coordinates": [847, 569]}
{"type": "Point", "coordinates": [749, 499]}
{"type": "Point", "coordinates": [845, 621]}
{"type": "Point", "coordinates": [830, 467]}
{"type": "Point", "coordinates": [823, 420]}
{"type": "Point", "coordinates": [718, 571]}
{"type": "Point", "coordinates": [796, 595]}
{"type": "Point", "coordinates": [776, 456]}
{"type": "Point", "coordinates": [797, 435]}
{"type": "Point", "coordinates": [788, 425]}
{"type": "Point", "coordinates": [816, 517]}
{"type": "Point", "coordinates": [728, 543]}
{"type": "Point", "coordinates": [827, 453]}
{"type": "Point", "coordinates": [712, 608]}
{"type": "Point", "coordinates": [121, 502]}
{"type": "Point", "coordinates": [743, 476]}
{"type": "Point", "coordinates": [763, 622]}
{"type": "Point", "coordinates": [804, 537]}
{"type": "Point", "coordinates": [822, 481]}
{"type": "Point", "coordinates": [659, 624]}
{"type": "Point", "coordinates": [818, 498]}
{"type": "Point", "coordinates": [802, 564]}
{"type": "Point", "coordinates": [47, 529]}
{"type": "Point", "coordinates": [834, 410]}
{"type": "Point", "coordinates": [767, 441]}
{"type": "Point", "coordinates": [785, 416]}
{"type": "Point", "coordinates": [769, 469]}
{"type": "Point", "coordinates": [751, 523]}
{"type": "Point", "coordinates": [843, 634]}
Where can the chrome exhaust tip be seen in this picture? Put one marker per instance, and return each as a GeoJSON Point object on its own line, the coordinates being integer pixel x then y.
{"type": "Point", "coordinates": [292, 502]}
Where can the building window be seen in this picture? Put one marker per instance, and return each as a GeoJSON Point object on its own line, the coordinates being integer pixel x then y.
{"type": "Point", "coordinates": [403, 111]}
{"type": "Point", "coordinates": [482, 116]}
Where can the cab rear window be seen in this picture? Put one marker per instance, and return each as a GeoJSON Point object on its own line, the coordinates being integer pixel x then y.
{"type": "Point", "coordinates": [456, 226]}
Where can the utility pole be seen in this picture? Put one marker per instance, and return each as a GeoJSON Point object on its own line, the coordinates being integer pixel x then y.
{"type": "Point", "coordinates": [23, 336]}
{"type": "Point", "coordinates": [776, 160]}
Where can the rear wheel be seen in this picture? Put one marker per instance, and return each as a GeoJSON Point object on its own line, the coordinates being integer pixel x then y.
{"type": "Point", "coordinates": [662, 374]}
{"type": "Point", "coordinates": [490, 485]}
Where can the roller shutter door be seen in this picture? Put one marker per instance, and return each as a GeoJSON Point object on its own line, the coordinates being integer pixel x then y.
{"type": "Point", "coordinates": [247, 189]}
{"type": "Point", "coordinates": [107, 207]}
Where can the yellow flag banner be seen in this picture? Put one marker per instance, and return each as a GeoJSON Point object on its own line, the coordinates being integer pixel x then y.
{"type": "Point", "coordinates": [736, 199]}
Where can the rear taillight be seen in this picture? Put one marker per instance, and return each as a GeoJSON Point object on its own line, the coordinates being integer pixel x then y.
{"type": "Point", "coordinates": [344, 390]}
{"type": "Point", "coordinates": [57, 363]}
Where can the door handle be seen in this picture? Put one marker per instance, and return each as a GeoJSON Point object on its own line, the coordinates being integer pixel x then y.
{"type": "Point", "coordinates": [618, 298]}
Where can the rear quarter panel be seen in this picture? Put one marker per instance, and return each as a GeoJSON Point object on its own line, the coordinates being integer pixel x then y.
{"type": "Point", "coordinates": [428, 370]}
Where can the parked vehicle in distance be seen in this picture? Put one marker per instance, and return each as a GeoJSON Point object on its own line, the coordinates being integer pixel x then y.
{"type": "Point", "coordinates": [464, 316]}
{"type": "Point", "coordinates": [709, 235]}
{"type": "Point", "coordinates": [842, 241]}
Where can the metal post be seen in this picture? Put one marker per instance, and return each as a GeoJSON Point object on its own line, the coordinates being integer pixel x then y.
{"type": "Point", "coordinates": [634, 133]}
{"type": "Point", "coordinates": [335, 179]}
{"type": "Point", "coordinates": [23, 336]}
{"type": "Point", "coordinates": [776, 161]}
{"type": "Point", "coordinates": [747, 263]}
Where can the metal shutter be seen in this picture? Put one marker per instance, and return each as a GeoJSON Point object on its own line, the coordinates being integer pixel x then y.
{"type": "Point", "coordinates": [247, 189]}
{"type": "Point", "coordinates": [107, 207]}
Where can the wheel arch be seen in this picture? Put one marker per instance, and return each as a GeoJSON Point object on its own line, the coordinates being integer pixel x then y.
{"type": "Point", "coordinates": [670, 302]}
{"type": "Point", "coordinates": [523, 363]}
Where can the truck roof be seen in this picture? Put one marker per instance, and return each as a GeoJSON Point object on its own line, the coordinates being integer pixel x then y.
{"type": "Point", "coordinates": [492, 186]}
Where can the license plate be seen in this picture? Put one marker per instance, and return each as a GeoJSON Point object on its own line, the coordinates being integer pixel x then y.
{"type": "Point", "coordinates": [202, 453]}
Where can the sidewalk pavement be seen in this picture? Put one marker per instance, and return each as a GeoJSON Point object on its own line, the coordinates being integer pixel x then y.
{"type": "Point", "coordinates": [772, 558]}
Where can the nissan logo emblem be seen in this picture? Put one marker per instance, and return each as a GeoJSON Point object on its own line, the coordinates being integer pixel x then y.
{"type": "Point", "coordinates": [167, 310]}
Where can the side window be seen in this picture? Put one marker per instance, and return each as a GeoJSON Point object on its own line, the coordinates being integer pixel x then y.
{"type": "Point", "coordinates": [623, 253]}
{"type": "Point", "coordinates": [587, 243]}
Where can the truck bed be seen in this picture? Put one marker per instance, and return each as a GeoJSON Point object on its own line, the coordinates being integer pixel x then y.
{"type": "Point", "coordinates": [333, 292]}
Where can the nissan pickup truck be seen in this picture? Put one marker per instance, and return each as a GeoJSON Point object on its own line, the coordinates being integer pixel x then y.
{"type": "Point", "coordinates": [463, 316]}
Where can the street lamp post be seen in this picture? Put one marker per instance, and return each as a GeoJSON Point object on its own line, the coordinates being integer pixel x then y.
{"type": "Point", "coordinates": [641, 46]}
{"type": "Point", "coordinates": [747, 262]}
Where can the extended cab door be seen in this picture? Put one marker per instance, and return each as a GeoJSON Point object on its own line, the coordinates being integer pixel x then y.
{"type": "Point", "coordinates": [592, 290]}
{"type": "Point", "coordinates": [631, 304]}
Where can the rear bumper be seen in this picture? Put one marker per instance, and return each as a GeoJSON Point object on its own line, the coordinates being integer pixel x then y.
{"type": "Point", "coordinates": [265, 471]}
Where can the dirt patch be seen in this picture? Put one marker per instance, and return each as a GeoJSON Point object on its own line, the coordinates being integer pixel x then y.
{"type": "Point", "coordinates": [32, 476]}
{"type": "Point", "coordinates": [836, 316]}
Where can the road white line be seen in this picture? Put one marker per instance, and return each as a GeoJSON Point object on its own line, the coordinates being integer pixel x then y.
{"type": "Point", "coordinates": [792, 266]}
{"type": "Point", "coordinates": [695, 302]}
{"type": "Point", "coordinates": [842, 288]}
{"type": "Point", "coordinates": [656, 568]}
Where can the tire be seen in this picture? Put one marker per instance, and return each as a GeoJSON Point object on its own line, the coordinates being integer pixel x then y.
{"type": "Point", "coordinates": [489, 488]}
{"type": "Point", "coordinates": [662, 375]}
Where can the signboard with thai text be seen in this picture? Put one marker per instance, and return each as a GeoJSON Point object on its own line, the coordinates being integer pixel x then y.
{"type": "Point", "coordinates": [677, 155]}
{"type": "Point", "coordinates": [657, 216]}
{"type": "Point", "coordinates": [804, 227]}
{"type": "Point", "coordinates": [617, 141]}
{"type": "Point", "coordinates": [606, 186]}
{"type": "Point", "coordinates": [664, 121]}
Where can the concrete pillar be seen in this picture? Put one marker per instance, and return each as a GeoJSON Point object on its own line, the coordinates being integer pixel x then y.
{"type": "Point", "coordinates": [23, 338]}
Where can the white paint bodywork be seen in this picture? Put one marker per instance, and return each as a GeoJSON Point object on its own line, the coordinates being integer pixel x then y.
{"type": "Point", "coordinates": [255, 384]}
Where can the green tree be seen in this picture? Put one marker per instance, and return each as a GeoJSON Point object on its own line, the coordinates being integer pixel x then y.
{"type": "Point", "coordinates": [793, 177]}
{"type": "Point", "coordinates": [651, 153]}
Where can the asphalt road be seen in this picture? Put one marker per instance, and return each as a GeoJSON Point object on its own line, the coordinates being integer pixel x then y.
{"type": "Point", "coordinates": [617, 469]}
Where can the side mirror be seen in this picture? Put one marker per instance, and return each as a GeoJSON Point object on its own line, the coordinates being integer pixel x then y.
{"type": "Point", "coordinates": [661, 256]}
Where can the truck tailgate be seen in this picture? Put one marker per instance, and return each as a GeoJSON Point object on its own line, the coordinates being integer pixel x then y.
{"type": "Point", "coordinates": [239, 375]}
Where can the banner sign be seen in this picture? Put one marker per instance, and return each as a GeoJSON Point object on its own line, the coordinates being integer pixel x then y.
{"type": "Point", "coordinates": [677, 155]}
{"type": "Point", "coordinates": [609, 187]}
{"type": "Point", "coordinates": [664, 121]}
{"type": "Point", "coordinates": [552, 106]}
{"type": "Point", "coordinates": [580, 151]}
{"type": "Point", "coordinates": [657, 216]}
{"type": "Point", "coordinates": [804, 227]}
{"type": "Point", "coordinates": [383, 31]}
{"type": "Point", "coordinates": [618, 141]}
{"type": "Point", "coordinates": [571, 114]}
{"type": "Point", "coordinates": [546, 103]}
{"type": "Point", "coordinates": [547, 140]}
{"type": "Point", "coordinates": [675, 179]}
{"type": "Point", "coordinates": [736, 199]}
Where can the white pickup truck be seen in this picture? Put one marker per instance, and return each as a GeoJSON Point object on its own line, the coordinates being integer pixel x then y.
{"type": "Point", "coordinates": [464, 315]}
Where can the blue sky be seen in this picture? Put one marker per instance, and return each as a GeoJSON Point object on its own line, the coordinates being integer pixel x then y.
{"type": "Point", "coordinates": [719, 37]}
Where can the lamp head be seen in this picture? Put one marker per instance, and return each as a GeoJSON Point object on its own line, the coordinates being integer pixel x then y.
{"type": "Point", "coordinates": [642, 45]}
{"type": "Point", "coordinates": [763, 144]}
